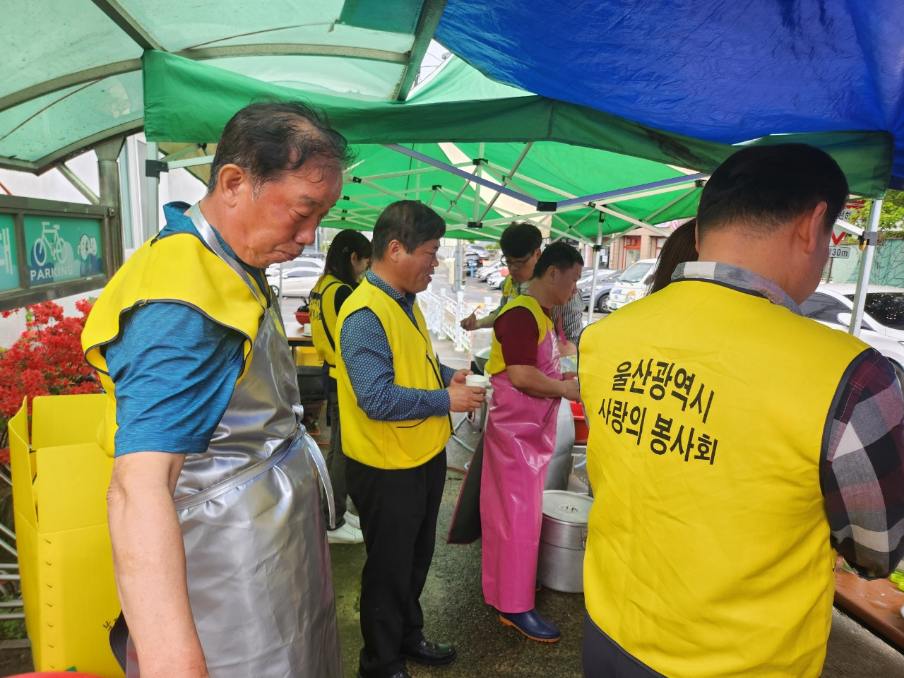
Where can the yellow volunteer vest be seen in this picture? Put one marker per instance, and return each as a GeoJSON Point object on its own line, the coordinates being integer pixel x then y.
{"type": "Point", "coordinates": [508, 288]}
{"type": "Point", "coordinates": [708, 550]}
{"type": "Point", "coordinates": [496, 363]}
{"type": "Point", "coordinates": [392, 444]}
{"type": "Point", "coordinates": [177, 268]}
{"type": "Point", "coordinates": [323, 318]}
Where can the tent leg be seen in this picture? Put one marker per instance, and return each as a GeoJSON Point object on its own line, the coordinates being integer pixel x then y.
{"type": "Point", "coordinates": [151, 209]}
{"type": "Point", "coordinates": [108, 176]}
{"type": "Point", "coordinates": [596, 268]}
{"type": "Point", "coordinates": [866, 264]}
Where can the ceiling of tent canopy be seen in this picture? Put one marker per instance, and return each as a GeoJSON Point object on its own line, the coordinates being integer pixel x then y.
{"type": "Point", "coordinates": [72, 68]}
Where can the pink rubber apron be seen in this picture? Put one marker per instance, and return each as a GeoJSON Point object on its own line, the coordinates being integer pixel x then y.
{"type": "Point", "coordinates": [519, 442]}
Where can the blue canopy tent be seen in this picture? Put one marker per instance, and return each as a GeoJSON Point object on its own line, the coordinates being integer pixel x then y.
{"type": "Point", "coordinates": [719, 71]}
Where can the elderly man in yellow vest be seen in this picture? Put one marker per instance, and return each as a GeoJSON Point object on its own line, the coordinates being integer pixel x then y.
{"type": "Point", "coordinates": [214, 504]}
{"type": "Point", "coordinates": [395, 398]}
{"type": "Point", "coordinates": [736, 445]}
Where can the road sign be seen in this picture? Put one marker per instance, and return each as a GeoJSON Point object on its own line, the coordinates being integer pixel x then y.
{"type": "Point", "coordinates": [840, 252]}
{"type": "Point", "coordinates": [50, 249]}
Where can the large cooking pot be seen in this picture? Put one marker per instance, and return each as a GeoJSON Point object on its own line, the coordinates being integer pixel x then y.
{"type": "Point", "coordinates": [563, 538]}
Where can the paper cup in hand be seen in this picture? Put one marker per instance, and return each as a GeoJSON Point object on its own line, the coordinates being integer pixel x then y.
{"type": "Point", "coordinates": [478, 380]}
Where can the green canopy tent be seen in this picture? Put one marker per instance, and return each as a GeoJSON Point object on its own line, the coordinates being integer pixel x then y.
{"type": "Point", "coordinates": [464, 143]}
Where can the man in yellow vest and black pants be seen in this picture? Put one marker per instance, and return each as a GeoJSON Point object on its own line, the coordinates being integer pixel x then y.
{"type": "Point", "coordinates": [735, 445]}
{"type": "Point", "coordinates": [395, 398]}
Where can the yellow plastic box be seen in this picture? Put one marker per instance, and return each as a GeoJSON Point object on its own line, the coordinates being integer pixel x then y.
{"type": "Point", "coordinates": [60, 477]}
{"type": "Point", "coordinates": [306, 356]}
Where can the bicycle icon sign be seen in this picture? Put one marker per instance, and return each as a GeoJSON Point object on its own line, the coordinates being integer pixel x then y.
{"type": "Point", "coordinates": [50, 244]}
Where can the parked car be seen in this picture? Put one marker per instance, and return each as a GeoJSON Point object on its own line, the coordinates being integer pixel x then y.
{"type": "Point", "coordinates": [298, 276]}
{"type": "Point", "coordinates": [299, 282]}
{"type": "Point", "coordinates": [304, 262]}
{"type": "Point", "coordinates": [605, 280]}
{"type": "Point", "coordinates": [882, 326]}
{"type": "Point", "coordinates": [495, 279]}
{"type": "Point", "coordinates": [484, 271]}
{"type": "Point", "coordinates": [477, 251]}
{"type": "Point", "coordinates": [633, 283]}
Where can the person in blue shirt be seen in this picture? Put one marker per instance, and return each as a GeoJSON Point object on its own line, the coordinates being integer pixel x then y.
{"type": "Point", "coordinates": [213, 480]}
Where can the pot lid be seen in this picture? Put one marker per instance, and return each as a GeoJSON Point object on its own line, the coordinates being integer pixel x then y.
{"type": "Point", "coordinates": [567, 507]}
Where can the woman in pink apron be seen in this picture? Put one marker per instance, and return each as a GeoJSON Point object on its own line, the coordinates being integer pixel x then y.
{"type": "Point", "coordinates": [520, 439]}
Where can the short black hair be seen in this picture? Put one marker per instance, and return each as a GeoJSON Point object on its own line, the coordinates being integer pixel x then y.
{"type": "Point", "coordinates": [410, 222]}
{"type": "Point", "coordinates": [559, 254]}
{"type": "Point", "coordinates": [269, 138]}
{"type": "Point", "coordinates": [520, 239]}
{"type": "Point", "coordinates": [339, 256]}
{"type": "Point", "coordinates": [766, 186]}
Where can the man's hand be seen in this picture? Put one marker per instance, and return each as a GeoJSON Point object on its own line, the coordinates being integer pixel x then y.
{"type": "Point", "coordinates": [464, 398]}
{"type": "Point", "coordinates": [460, 376]}
{"type": "Point", "coordinates": [469, 323]}
{"type": "Point", "coordinates": [149, 563]}
{"type": "Point", "coordinates": [571, 390]}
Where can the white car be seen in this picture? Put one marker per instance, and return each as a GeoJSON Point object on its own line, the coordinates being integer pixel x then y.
{"type": "Point", "coordinates": [484, 271]}
{"type": "Point", "coordinates": [632, 284]}
{"type": "Point", "coordinates": [496, 278]}
{"type": "Point", "coordinates": [306, 263]}
{"type": "Point", "coordinates": [883, 317]}
{"type": "Point", "coordinates": [298, 276]}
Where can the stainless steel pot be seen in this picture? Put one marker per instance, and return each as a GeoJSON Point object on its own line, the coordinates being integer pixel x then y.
{"type": "Point", "coordinates": [563, 537]}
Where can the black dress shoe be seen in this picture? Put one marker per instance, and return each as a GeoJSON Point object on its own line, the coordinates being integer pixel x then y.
{"type": "Point", "coordinates": [430, 654]}
{"type": "Point", "coordinates": [401, 673]}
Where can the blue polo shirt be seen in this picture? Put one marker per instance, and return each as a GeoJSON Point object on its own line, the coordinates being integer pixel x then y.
{"type": "Point", "coordinates": [174, 368]}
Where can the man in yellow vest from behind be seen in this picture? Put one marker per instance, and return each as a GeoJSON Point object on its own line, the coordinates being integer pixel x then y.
{"type": "Point", "coordinates": [735, 444]}
{"type": "Point", "coordinates": [395, 398]}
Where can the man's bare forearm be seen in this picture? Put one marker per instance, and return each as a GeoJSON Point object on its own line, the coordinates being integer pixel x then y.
{"type": "Point", "coordinates": [149, 561]}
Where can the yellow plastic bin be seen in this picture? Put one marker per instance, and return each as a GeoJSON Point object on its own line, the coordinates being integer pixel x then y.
{"type": "Point", "coordinates": [306, 356]}
{"type": "Point", "coordinates": [60, 477]}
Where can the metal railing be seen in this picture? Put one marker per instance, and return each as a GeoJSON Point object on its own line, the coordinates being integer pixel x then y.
{"type": "Point", "coordinates": [443, 312]}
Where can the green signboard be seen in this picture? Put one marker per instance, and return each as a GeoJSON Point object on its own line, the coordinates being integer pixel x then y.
{"type": "Point", "coordinates": [62, 248]}
{"type": "Point", "coordinates": [9, 266]}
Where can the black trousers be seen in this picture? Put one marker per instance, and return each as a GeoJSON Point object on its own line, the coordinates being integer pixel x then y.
{"type": "Point", "coordinates": [335, 458]}
{"type": "Point", "coordinates": [398, 512]}
{"type": "Point", "coordinates": [604, 658]}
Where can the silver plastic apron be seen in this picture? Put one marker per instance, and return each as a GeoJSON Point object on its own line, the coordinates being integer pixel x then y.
{"type": "Point", "coordinates": [258, 563]}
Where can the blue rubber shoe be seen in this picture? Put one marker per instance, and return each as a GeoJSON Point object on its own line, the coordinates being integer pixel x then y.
{"type": "Point", "coordinates": [532, 625]}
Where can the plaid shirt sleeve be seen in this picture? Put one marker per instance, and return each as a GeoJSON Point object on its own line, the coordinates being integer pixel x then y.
{"type": "Point", "coordinates": [862, 467]}
{"type": "Point", "coordinates": [567, 317]}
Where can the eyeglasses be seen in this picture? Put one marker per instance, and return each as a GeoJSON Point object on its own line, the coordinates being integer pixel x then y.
{"type": "Point", "coordinates": [513, 263]}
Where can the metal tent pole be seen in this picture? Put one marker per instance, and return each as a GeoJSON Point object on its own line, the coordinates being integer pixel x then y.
{"type": "Point", "coordinates": [596, 267]}
{"type": "Point", "coordinates": [152, 185]}
{"type": "Point", "coordinates": [108, 177]}
{"type": "Point", "coordinates": [871, 237]}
